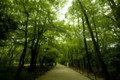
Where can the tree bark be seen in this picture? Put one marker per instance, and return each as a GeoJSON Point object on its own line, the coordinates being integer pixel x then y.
{"type": "Point", "coordinates": [86, 48]}
{"type": "Point", "coordinates": [84, 63]}
{"type": "Point", "coordinates": [42, 61]}
{"type": "Point", "coordinates": [34, 52]}
{"type": "Point", "coordinates": [96, 34]}
{"type": "Point", "coordinates": [21, 62]}
{"type": "Point", "coordinates": [32, 67]}
{"type": "Point", "coordinates": [96, 46]}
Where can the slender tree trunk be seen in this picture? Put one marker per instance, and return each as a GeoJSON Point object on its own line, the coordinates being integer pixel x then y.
{"type": "Point", "coordinates": [95, 29]}
{"type": "Point", "coordinates": [86, 48]}
{"type": "Point", "coordinates": [72, 64]}
{"type": "Point", "coordinates": [21, 62]}
{"type": "Point", "coordinates": [78, 61]}
{"type": "Point", "coordinates": [96, 46]}
{"type": "Point", "coordinates": [10, 50]}
{"type": "Point", "coordinates": [34, 53]}
{"type": "Point", "coordinates": [84, 63]}
{"type": "Point", "coordinates": [33, 61]}
{"type": "Point", "coordinates": [32, 67]}
{"type": "Point", "coordinates": [33, 58]}
{"type": "Point", "coordinates": [11, 58]}
{"type": "Point", "coordinates": [43, 60]}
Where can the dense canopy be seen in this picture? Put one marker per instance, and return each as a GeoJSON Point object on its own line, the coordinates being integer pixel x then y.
{"type": "Point", "coordinates": [87, 38]}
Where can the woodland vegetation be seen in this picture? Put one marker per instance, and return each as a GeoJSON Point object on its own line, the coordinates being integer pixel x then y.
{"type": "Point", "coordinates": [88, 38]}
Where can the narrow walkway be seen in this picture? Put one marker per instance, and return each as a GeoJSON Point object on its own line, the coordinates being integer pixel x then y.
{"type": "Point", "coordinates": [61, 72]}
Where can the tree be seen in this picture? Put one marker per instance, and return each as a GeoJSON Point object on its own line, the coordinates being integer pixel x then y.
{"type": "Point", "coordinates": [86, 48]}
{"type": "Point", "coordinates": [96, 46]}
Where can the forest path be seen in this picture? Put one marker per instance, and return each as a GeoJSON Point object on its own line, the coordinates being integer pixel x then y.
{"type": "Point", "coordinates": [61, 72]}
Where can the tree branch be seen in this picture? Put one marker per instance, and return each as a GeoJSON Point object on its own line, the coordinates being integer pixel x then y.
{"type": "Point", "coordinates": [108, 17]}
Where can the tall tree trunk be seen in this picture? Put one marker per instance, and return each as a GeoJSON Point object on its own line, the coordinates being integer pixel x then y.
{"type": "Point", "coordinates": [84, 63]}
{"type": "Point", "coordinates": [32, 67]}
{"type": "Point", "coordinates": [33, 61]}
{"type": "Point", "coordinates": [96, 46]}
{"type": "Point", "coordinates": [86, 48]}
{"type": "Point", "coordinates": [34, 53]}
{"type": "Point", "coordinates": [96, 34]}
{"type": "Point", "coordinates": [78, 61]}
{"type": "Point", "coordinates": [21, 62]}
{"type": "Point", "coordinates": [71, 56]}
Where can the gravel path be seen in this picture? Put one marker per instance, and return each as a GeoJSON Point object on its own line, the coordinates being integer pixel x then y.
{"type": "Point", "coordinates": [61, 72]}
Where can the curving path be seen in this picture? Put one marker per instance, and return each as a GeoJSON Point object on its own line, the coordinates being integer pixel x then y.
{"type": "Point", "coordinates": [61, 72]}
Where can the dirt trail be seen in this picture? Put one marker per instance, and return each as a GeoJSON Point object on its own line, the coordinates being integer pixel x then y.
{"type": "Point", "coordinates": [61, 72]}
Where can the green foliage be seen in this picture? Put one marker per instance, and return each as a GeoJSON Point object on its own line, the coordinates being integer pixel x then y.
{"type": "Point", "coordinates": [113, 61]}
{"type": "Point", "coordinates": [7, 23]}
{"type": "Point", "coordinates": [51, 40]}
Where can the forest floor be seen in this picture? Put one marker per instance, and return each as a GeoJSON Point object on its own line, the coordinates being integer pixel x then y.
{"type": "Point", "coordinates": [9, 72]}
{"type": "Point", "coordinates": [61, 72]}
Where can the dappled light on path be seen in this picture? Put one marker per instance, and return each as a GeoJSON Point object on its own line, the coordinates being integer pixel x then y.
{"type": "Point", "coordinates": [61, 72]}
